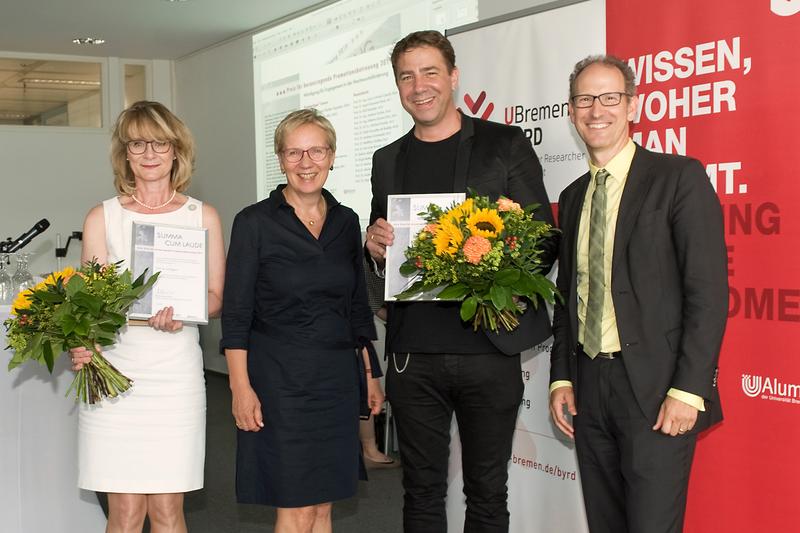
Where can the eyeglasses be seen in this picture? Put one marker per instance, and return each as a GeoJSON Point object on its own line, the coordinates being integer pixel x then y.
{"type": "Point", "coordinates": [607, 99]}
{"type": "Point", "coordinates": [140, 147]}
{"type": "Point", "coordinates": [316, 153]}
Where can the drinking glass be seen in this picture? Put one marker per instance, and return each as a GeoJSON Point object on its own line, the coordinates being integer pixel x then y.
{"type": "Point", "coordinates": [6, 285]}
{"type": "Point", "coordinates": [22, 278]}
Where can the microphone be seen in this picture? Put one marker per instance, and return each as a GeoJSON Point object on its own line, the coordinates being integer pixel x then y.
{"type": "Point", "coordinates": [22, 241]}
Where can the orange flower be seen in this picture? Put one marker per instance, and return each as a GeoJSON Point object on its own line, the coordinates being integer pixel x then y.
{"type": "Point", "coordinates": [475, 248]}
{"type": "Point", "coordinates": [505, 204]}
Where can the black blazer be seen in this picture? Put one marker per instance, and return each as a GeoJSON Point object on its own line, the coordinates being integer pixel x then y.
{"type": "Point", "coordinates": [669, 282]}
{"type": "Point", "coordinates": [494, 160]}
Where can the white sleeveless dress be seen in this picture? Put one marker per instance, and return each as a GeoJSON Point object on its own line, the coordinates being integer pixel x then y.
{"type": "Point", "coordinates": [152, 439]}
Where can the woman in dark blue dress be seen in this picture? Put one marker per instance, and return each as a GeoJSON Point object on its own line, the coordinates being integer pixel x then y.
{"type": "Point", "coordinates": [296, 330]}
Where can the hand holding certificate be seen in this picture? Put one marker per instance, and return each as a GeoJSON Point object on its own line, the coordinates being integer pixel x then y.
{"type": "Point", "coordinates": [404, 216]}
{"type": "Point", "coordinates": [180, 254]}
{"type": "Point", "coordinates": [483, 253]}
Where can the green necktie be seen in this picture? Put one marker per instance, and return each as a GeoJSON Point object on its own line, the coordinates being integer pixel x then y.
{"type": "Point", "coordinates": [593, 332]}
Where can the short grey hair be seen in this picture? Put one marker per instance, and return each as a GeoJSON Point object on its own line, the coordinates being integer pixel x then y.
{"type": "Point", "coordinates": [299, 118]}
{"type": "Point", "coordinates": [609, 61]}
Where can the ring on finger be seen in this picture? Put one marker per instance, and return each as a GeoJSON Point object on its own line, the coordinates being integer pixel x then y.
{"type": "Point", "coordinates": [372, 237]}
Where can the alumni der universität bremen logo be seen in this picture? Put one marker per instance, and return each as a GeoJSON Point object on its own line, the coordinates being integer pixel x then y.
{"type": "Point", "coordinates": [770, 388]}
{"type": "Point", "coordinates": [475, 105]}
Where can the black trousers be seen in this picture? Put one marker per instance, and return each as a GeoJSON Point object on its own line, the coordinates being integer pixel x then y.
{"type": "Point", "coordinates": [634, 479]}
{"type": "Point", "coordinates": [484, 392]}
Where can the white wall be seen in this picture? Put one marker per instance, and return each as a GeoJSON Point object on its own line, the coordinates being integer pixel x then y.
{"type": "Point", "coordinates": [53, 173]}
{"type": "Point", "coordinates": [214, 96]}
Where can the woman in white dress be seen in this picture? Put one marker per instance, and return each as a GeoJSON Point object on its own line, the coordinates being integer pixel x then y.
{"type": "Point", "coordinates": [147, 447]}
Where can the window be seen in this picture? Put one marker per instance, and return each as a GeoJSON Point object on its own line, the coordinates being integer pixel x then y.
{"type": "Point", "coordinates": [135, 83]}
{"type": "Point", "coordinates": [43, 92]}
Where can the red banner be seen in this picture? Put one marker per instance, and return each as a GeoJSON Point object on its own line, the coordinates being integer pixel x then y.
{"type": "Point", "coordinates": [718, 81]}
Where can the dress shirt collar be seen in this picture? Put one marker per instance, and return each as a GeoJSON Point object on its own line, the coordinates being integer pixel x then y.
{"type": "Point", "coordinates": [619, 165]}
{"type": "Point", "coordinates": [277, 199]}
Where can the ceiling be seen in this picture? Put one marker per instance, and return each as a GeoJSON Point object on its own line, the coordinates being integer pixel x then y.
{"type": "Point", "coordinates": [133, 29]}
{"type": "Point", "coordinates": [34, 90]}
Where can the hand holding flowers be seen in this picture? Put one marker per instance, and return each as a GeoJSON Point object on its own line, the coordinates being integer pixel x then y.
{"type": "Point", "coordinates": [486, 255]}
{"type": "Point", "coordinates": [72, 309]}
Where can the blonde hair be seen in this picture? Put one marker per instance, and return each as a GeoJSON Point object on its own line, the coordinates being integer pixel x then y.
{"type": "Point", "coordinates": [153, 120]}
{"type": "Point", "coordinates": [299, 118]}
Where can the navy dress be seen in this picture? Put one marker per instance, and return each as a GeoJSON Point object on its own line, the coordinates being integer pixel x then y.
{"type": "Point", "coordinates": [299, 307]}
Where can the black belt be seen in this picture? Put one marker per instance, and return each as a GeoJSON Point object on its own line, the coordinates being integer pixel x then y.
{"type": "Point", "coordinates": [602, 355]}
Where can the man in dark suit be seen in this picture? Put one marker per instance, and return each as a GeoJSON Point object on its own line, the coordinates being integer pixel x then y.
{"type": "Point", "coordinates": [643, 273]}
{"type": "Point", "coordinates": [437, 364]}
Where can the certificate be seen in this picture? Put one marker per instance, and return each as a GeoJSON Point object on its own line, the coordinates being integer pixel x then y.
{"type": "Point", "coordinates": [403, 215]}
{"type": "Point", "coordinates": [180, 254]}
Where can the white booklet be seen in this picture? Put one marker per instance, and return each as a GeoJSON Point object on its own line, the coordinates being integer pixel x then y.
{"type": "Point", "coordinates": [180, 254]}
{"type": "Point", "coordinates": [403, 215]}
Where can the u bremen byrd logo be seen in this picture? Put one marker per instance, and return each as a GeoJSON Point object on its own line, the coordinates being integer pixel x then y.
{"type": "Point", "coordinates": [474, 106]}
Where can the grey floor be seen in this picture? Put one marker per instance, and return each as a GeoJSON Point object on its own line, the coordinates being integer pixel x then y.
{"type": "Point", "coordinates": [376, 508]}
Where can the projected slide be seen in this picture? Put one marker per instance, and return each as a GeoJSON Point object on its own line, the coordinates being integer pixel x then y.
{"type": "Point", "coordinates": [337, 60]}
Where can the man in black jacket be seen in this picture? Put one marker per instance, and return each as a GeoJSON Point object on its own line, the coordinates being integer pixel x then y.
{"type": "Point", "coordinates": [437, 364]}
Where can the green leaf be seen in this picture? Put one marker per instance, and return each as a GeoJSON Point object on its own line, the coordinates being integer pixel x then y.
{"type": "Point", "coordinates": [108, 327]}
{"type": "Point", "coordinates": [115, 319]}
{"type": "Point", "coordinates": [139, 282]}
{"type": "Point", "coordinates": [531, 208]}
{"type": "Point", "coordinates": [468, 308]}
{"type": "Point", "coordinates": [82, 327]}
{"type": "Point", "coordinates": [500, 296]}
{"type": "Point", "coordinates": [48, 355]}
{"type": "Point", "coordinates": [68, 323]}
{"type": "Point", "coordinates": [523, 285]}
{"type": "Point", "coordinates": [49, 297]}
{"type": "Point", "coordinates": [457, 291]}
{"type": "Point", "coordinates": [75, 285]}
{"type": "Point", "coordinates": [16, 360]}
{"type": "Point", "coordinates": [35, 345]}
{"type": "Point", "coordinates": [408, 269]}
{"type": "Point", "coordinates": [64, 310]}
{"type": "Point", "coordinates": [507, 276]}
{"type": "Point", "coordinates": [92, 303]}
{"type": "Point", "coordinates": [416, 288]}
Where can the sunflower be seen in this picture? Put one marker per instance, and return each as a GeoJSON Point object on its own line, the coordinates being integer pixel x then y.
{"type": "Point", "coordinates": [448, 237]}
{"type": "Point", "coordinates": [461, 211]}
{"type": "Point", "coordinates": [21, 302]}
{"type": "Point", "coordinates": [485, 223]}
{"type": "Point", "coordinates": [65, 275]}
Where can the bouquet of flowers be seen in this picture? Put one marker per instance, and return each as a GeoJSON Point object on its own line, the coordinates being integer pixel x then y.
{"type": "Point", "coordinates": [72, 308]}
{"type": "Point", "coordinates": [486, 255]}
